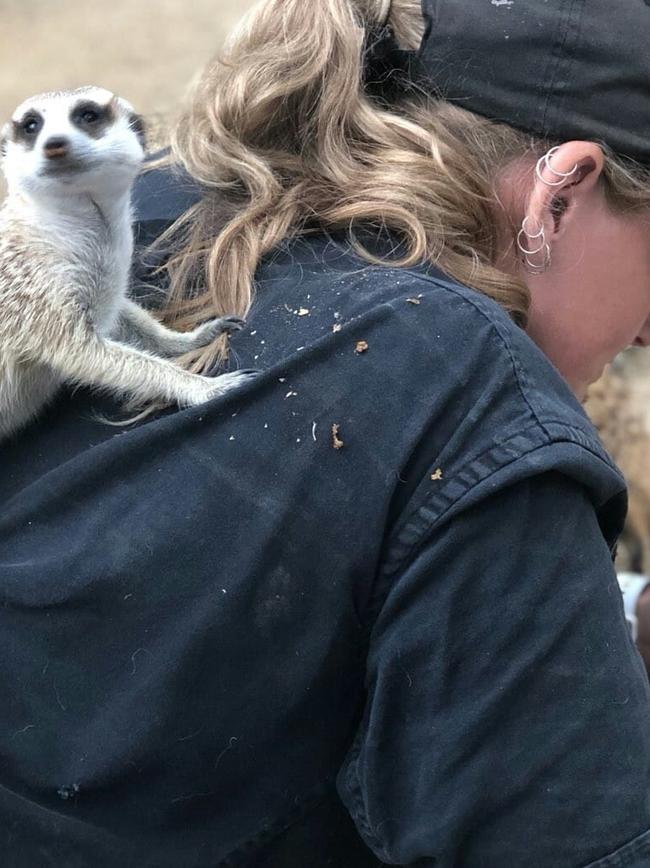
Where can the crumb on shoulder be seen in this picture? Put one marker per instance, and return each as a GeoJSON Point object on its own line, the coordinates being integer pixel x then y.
{"type": "Point", "coordinates": [337, 443]}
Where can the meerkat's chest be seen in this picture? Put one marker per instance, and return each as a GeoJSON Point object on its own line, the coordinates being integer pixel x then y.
{"type": "Point", "coordinates": [102, 267]}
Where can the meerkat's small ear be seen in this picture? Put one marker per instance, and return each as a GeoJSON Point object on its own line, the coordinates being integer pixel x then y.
{"type": "Point", "coordinates": [137, 124]}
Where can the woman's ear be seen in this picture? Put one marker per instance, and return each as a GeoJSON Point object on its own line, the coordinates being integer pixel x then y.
{"type": "Point", "coordinates": [562, 177]}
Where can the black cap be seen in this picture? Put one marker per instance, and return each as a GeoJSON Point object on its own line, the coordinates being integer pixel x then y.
{"type": "Point", "coordinates": [561, 69]}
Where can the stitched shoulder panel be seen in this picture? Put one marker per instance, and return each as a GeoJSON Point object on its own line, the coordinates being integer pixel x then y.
{"type": "Point", "coordinates": [530, 453]}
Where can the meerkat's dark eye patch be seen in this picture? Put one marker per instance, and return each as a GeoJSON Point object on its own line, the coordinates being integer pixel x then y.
{"type": "Point", "coordinates": [92, 118]}
{"type": "Point", "coordinates": [26, 130]}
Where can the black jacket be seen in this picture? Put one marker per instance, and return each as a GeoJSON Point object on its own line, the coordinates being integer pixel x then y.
{"type": "Point", "coordinates": [223, 640]}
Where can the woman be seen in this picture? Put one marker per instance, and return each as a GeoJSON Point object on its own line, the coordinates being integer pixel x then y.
{"type": "Point", "coordinates": [364, 611]}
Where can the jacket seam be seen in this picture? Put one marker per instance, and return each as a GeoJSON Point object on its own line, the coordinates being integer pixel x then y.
{"type": "Point", "coordinates": [411, 522]}
{"type": "Point", "coordinates": [356, 803]}
{"type": "Point", "coordinates": [274, 831]}
{"type": "Point", "coordinates": [625, 856]}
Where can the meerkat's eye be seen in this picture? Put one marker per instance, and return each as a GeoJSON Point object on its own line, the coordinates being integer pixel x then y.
{"type": "Point", "coordinates": [88, 115]}
{"type": "Point", "coordinates": [31, 126]}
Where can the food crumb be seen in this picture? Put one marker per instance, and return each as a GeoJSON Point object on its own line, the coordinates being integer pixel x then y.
{"type": "Point", "coordinates": [304, 311]}
{"type": "Point", "coordinates": [337, 327]}
{"type": "Point", "coordinates": [437, 476]}
{"type": "Point", "coordinates": [67, 793]}
{"type": "Point", "coordinates": [291, 394]}
{"type": "Point", "coordinates": [413, 300]}
{"type": "Point", "coordinates": [337, 443]}
{"type": "Point", "coordinates": [362, 347]}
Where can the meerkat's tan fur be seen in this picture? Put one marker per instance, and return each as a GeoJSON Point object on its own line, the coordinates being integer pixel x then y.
{"type": "Point", "coordinates": [66, 245]}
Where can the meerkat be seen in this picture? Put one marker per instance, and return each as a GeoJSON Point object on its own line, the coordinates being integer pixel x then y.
{"type": "Point", "coordinates": [66, 244]}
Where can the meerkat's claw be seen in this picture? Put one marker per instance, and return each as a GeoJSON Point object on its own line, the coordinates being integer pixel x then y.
{"type": "Point", "coordinates": [233, 323]}
{"type": "Point", "coordinates": [206, 333]}
{"type": "Point", "coordinates": [227, 324]}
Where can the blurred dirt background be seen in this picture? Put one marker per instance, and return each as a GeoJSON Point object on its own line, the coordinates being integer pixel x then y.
{"type": "Point", "coordinates": [149, 52]}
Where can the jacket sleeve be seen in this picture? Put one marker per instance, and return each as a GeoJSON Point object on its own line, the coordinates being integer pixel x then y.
{"type": "Point", "coordinates": [507, 717]}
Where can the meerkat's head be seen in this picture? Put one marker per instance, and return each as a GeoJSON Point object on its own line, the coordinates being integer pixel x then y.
{"type": "Point", "coordinates": [84, 141]}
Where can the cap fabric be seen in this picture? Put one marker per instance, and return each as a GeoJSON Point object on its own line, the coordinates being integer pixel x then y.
{"type": "Point", "coordinates": [562, 69]}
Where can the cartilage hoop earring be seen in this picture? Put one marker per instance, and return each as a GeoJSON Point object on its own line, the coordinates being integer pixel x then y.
{"type": "Point", "coordinates": [545, 162]}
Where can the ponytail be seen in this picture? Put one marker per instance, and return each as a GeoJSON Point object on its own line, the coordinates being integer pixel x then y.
{"type": "Point", "coordinates": [283, 131]}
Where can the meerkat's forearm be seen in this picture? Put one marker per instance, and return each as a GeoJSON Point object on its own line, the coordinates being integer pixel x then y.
{"type": "Point", "coordinates": [140, 329]}
{"type": "Point", "coordinates": [88, 360]}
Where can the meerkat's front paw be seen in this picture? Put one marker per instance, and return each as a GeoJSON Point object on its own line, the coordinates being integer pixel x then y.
{"type": "Point", "coordinates": [227, 382]}
{"type": "Point", "coordinates": [229, 323]}
{"type": "Point", "coordinates": [206, 333]}
{"type": "Point", "coordinates": [218, 386]}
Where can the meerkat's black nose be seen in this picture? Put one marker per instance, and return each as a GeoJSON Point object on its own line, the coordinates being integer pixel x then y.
{"type": "Point", "coordinates": [56, 147]}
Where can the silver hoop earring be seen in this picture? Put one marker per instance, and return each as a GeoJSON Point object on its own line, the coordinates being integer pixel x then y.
{"type": "Point", "coordinates": [536, 268]}
{"type": "Point", "coordinates": [527, 252]}
{"type": "Point", "coordinates": [545, 162]}
{"type": "Point", "coordinates": [530, 234]}
{"type": "Point", "coordinates": [524, 234]}
{"type": "Point", "coordinates": [532, 237]}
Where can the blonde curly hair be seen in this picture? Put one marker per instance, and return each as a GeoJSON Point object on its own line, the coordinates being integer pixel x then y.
{"type": "Point", "coordinates": [284, 137]}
